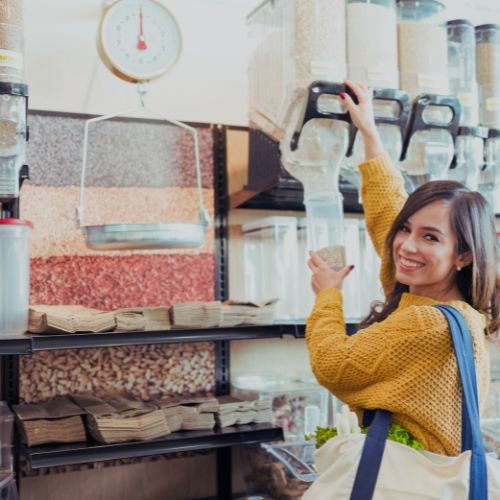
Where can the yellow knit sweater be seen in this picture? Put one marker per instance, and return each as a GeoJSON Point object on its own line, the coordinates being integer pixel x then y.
{"type": "Point", "coordinates": [404, 364]}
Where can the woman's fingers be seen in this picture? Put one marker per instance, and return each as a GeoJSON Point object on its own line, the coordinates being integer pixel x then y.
{"type": "Point", "coordinates": [357, 89]}
{"type": "Point", "coordinates": [312, 266]}
{"type": "Point", "coordinates": [317, 260]}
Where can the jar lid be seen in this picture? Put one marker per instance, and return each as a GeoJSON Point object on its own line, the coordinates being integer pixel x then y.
{"type": "Point", "coordinates": [481, 132]}
{"type": "Point", "coordinates": [460, 22]}
{"type": "Point", "coordinates": [17, 222]}
{"type": "Point", "coordinates": [426, 8]}
{"type": "Point", "coordinates": [484, 27]}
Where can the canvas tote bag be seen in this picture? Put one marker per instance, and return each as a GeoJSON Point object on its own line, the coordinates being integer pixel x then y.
{"type": "Point", "coordinates": [369, 467]}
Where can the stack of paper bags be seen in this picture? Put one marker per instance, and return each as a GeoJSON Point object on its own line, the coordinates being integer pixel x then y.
{"type": "Point", "coordinates": [69, 319]}
{"type": "Point", "coordinates": [233, 411]}
{"type": "Point", "coordinates": [196, 314]}
{"type": "Point", "coordinates": [142, 319]}
{"type": "Point", "coordinates": [55, 421]}
{"type": "Point", "coordinates": [116, 418]}
{"type": "Point", "coordinates": [191, 413]}
{"type": "Point", "coordinates": [250, 313]}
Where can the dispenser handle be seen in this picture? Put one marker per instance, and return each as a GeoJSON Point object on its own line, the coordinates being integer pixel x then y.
{"type": "Point", "coordinates": [311, 111]}
{"type": "Point", "coordinates": [382, 94]}
{"type": "Point", "coordinates": [417, 122]}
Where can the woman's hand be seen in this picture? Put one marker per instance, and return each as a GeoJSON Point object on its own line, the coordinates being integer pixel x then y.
{"type": "Point", "coordinates": [324, 276]}
{"type": "Point", "coordinates": [363, 117]}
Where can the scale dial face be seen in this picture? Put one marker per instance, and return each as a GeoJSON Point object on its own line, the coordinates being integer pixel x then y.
{"type": "Point", "coordinates": [138, 40]}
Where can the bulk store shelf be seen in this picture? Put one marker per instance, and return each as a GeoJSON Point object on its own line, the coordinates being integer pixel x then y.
{"type": "Point", "coordinates": [181, 441]}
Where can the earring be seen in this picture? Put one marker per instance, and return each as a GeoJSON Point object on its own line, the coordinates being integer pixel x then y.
{"type": "Point", "coordinates": [459, 268]}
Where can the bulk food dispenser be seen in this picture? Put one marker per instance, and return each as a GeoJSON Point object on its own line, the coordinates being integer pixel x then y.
{"type": "Point", "coordinates": [391, 109]}
{"type": "Point", "coordinates": [422, 47]}
{"type": "Point", "coordinates": [316, 141]}
{"type": "Point", "coordinates": [488, 74]}
{"type": "Point", "coordinates": [489, 176]}
{"type": "Point", "coordinates": [14, 233]}
{"type": "Point", "coordinates": [469, 156]}
{"type": "Point", "coordinates": [462, 69]}
{"type": "Point", "coordinates": [293, 43]}
{"type": "Point", "coordinates": [429, 143]}
{"type": "Point", "coordinates": [373, 58]}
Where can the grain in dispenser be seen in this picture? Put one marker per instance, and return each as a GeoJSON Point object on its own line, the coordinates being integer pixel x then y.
{"type": "Point", "coordinates": [373, 58]}
{"type": "Point", "coordinates": [462, 69]}
{"type": "Point", "coordinates": [11, 41]}
{"type": "Point", "coordinates": [293, 43]}
{"type": "Point", "coordinates": [488, 74]}
{"type": "Point", "coordinates": [422, 47]}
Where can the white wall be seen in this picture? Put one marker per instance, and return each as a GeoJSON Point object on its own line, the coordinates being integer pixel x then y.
{"type": "Point", "coordinates": [208, 83]}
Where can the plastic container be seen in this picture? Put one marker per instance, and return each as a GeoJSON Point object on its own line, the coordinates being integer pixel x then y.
{"type": "Point", "coordinates": [372, 59]}
{"type": "Point", "coordinates": [488, 74]}
{"type": "Point", "coordinates": [351, 290]}
{"type": "Point", "coordinates": [462, 69]}
{"type": "Point", "coordinates": [292, 402]}
{"type": "Point", "coordinates": [6, 433]}
{"type": "Point", "coordinates": [14, 275]}
{"type": "Point", "coordinates": [270, 263]}
{"type": "Point", "coordinates": [489, 176]}
{"type": "Point", "coordinates": [469, 156]}
{"type": "Point", "coordinates": [293, 44]}
{"type": "Point", "coordinates": [422, 47]}
{"type": "Point", "coordinates": [281, 470]}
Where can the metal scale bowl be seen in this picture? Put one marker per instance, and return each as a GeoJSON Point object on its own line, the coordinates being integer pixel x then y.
{"type": "Point", "coordinates": [143, 236]}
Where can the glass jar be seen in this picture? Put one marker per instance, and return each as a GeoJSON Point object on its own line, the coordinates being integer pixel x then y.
{"type": "Point", "coordinates": [372, 59]}
{"type": "Point", "coordinates": [488, 74]}
{"type": "Point", "coordinates": [423, 47]}
{"type": "Point", "coordinates": [462, 69]}
{"type": "Point", "coordinates": [469, 156]}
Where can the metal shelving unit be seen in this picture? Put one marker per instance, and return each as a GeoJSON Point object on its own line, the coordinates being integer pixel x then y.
{"type": "Point", "coordinates": [182, 441]}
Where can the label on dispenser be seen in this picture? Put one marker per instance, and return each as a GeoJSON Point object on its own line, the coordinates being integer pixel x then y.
{"type": "Point", "coordinates": [466, 99]}
{"type": "Point", "coordinates": [326, 69]}
{"type": "Point", "coordinates": [428, 80]}
{"type": "Point", "coordinates": [11, 59]}
{"type": "Point", "coordinates": [492, 104]}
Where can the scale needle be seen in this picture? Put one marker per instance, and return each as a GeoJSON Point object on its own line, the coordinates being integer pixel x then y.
{"type": "Point", "coordinates": [141, 41]}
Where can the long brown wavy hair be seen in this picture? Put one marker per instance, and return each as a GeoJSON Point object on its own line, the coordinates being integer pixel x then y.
{"type": "Point", "coordinates": [472, 221]}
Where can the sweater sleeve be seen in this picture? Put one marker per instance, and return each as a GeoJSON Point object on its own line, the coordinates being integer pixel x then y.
{"type": "Point", "coordinates": [341, 362]}
{"type": "Point", "coordinates": [383, 194]}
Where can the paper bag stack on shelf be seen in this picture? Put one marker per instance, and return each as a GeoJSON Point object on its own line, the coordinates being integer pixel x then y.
{"type": "Point", "coordinates": [115, 418]}
{"type": "Point", "coordinates": [142, 319]}
{"type": "Point", "coordinates": [234, 411]}
{"type": "Point", "coordinates": [194, 413]}
{"type": "Point", "coordinates": [55, 421]}
{"type": "Point", "coordinates": [196, 314]}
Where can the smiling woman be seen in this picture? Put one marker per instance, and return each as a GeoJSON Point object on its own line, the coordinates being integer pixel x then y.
{"type": "Point", "coordinates": [438, 246]}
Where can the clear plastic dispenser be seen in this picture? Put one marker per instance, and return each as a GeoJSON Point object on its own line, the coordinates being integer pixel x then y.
{"type": "Point", "coordinates": [316, 141]}
{"type": "Point", "coordinates": [422, 47]}
{"type": "Point", "coordinates": [270, 263]}
{"type": "Point", "coordinates": [372, 59]}
{"type": "Point", "coordinates": [293, 43]}
{"type": "Point", "coordinates": [429, 144]}
{"type": "Point", "coordinates": [488, 74]}
{"type": "Point", "coordinates": [489, 177]}
{"type": "Point", "coordinates": [462, 69]}
{"type": "Point", "coordinates": [391, 109]}
{"type": "Point", "coordinates": [469, 157]}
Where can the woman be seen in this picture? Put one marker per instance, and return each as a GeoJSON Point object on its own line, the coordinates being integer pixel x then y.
{"type": "Point", "coordinates": [437, 247]}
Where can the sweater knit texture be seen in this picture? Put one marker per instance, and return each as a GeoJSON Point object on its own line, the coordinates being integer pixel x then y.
{"type": "Point", "coordinates": [404, 364]}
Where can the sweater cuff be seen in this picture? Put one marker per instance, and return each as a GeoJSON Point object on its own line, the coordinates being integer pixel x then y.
{"type": "Point", "coordinates": [327, 296]}
{"type": "Point", "coordinates": [375, 165]}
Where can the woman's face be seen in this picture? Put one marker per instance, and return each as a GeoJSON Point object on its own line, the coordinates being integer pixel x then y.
{"type": "Point", "coordinates": [424, 252]}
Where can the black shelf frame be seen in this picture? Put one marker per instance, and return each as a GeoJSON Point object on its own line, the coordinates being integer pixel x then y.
{"type": "Point", "coordinates": [181, 441]}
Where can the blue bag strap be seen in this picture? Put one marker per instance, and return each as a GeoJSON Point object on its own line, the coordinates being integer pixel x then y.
{"type": "Point", "coordinates": [371, 456]}
{"type": "Point", "coordinates": [462, 345]}
{"type": "Point", "coordinates": [373, 449]}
